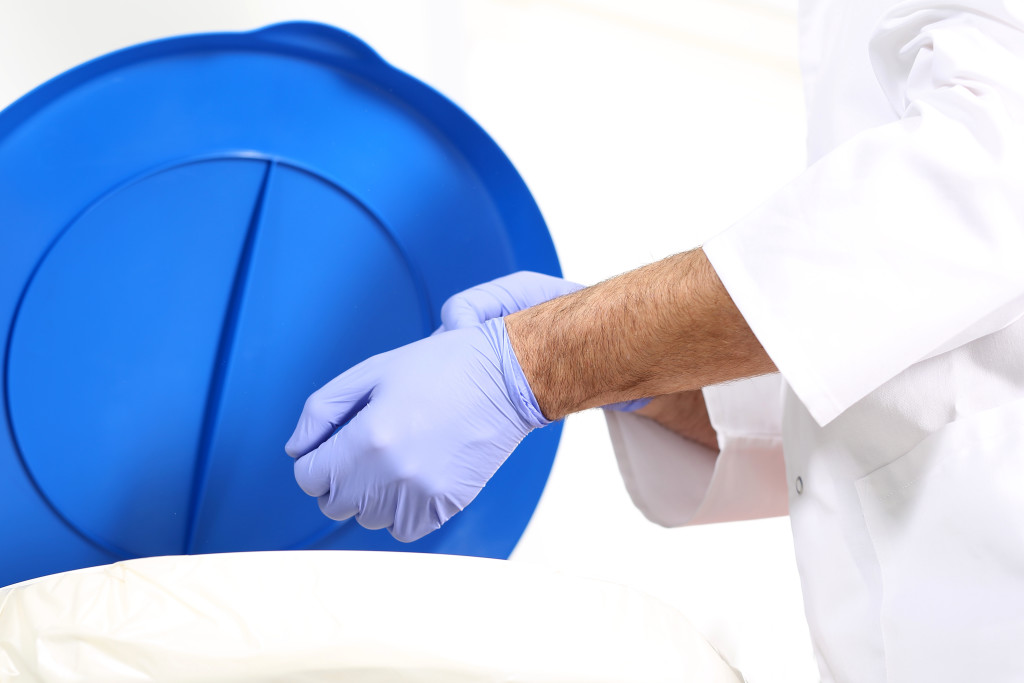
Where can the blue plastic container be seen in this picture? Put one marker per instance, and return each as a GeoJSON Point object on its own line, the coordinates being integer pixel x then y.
{"type": "Point", "coordinates": [197, 233]}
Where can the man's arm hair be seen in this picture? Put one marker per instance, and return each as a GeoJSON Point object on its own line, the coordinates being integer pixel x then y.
{"type": "Point", "coordinates": [665, 328]}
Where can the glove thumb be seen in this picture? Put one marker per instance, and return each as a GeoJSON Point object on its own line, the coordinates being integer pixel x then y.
{"type": "Point", "coordinates": [330, 407]}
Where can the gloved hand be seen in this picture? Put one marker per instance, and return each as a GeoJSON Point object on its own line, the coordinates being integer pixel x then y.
{"type": "Point", "coordinates": [506, 295]}
{"type": "Point", "coordinates": [501, 297]}
{"type": "Point", "coordinates": [428, 425]}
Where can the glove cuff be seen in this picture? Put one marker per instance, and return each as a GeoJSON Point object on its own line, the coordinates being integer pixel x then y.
{"type": "Point", "coordinates": [516, 386]}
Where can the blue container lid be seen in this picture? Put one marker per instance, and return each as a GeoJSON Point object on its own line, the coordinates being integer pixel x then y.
{"type": "Point", "coordinates": [199, 232]}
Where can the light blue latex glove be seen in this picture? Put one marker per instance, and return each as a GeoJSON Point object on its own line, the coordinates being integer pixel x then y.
{"type": "Point", "coordinates": [428, 425]}
{"type": "Point", "coordinates": [506, 295]}
{"type": "Point", "coordinates": [501, 297]}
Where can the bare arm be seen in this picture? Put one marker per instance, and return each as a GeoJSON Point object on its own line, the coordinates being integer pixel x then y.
{"type": "Point", "coordinates": [666, 328]}
{"type": "Point", "coordinates": [684, 413]}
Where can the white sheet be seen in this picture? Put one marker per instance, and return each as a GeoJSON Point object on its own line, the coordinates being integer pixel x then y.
{"type": "Point", "coordinates": [353, 616]}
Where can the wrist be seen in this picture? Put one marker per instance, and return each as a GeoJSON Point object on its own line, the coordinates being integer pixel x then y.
{"type": "Point", "coordinates": [516, 328]}
{"type": "Point", "coordinates": [517, 386]}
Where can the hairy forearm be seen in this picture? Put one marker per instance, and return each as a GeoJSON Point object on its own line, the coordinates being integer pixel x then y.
{"type": "Point", "coordinates": [664, 328]}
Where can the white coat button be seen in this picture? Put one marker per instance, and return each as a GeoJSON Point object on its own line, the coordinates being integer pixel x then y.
{"type": "Point", "coordinates": [799, 485]}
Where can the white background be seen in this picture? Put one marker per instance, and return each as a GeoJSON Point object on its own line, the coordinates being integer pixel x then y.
{"type": "Point", "coordinates": [642, 127]}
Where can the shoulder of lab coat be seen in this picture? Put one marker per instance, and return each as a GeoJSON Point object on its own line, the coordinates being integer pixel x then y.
{"type": "Point", "coordinates": [677, 482]}
{"type": "Point", "coordinates": [904, 241]}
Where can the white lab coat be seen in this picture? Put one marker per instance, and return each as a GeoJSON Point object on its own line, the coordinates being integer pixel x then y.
{"type": "Point", "coordinates": [887, 284]}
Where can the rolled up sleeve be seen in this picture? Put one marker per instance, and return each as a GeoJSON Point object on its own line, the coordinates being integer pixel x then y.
{"type": "Point", "coordinates": [677, 482]}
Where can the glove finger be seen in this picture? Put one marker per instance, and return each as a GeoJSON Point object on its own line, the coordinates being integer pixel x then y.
{"type": "Point", "coordinates": [397, 475]}
{"type": "Point", "coordinates": [378, 513]}
{"type": "Point", "coordinates": [525, 288]}
{"type": "Point", "coordinates": [560, 288]}
{"type": "Point", "coordinates": [405, 534]}
{"type": "Point", "coordinates": [411, 525]}
{"type": "Point", "coordinates": [313, 473]}
{"type": "Point", "coordinates": [420, 513]}
{"type": "Point", "coordinates": [502, 296]}
{"type": "Point", "coordinates": [354, 476]}
{"type": "Point", "coordinates": [331, 406]}
{"type": "Point", "coordinates": [472, 307]}
{"type": "Point", "coordinates": [337, 509]}
{"type": "Point", "coordinates": [322, 474]}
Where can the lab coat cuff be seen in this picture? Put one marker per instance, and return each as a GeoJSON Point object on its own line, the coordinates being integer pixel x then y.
{"type": "Point", "coordinates": [676, 482]}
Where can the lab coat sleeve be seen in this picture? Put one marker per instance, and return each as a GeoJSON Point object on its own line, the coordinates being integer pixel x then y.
{"type": "Point", "coordinates": [677, 482]}
{"type": "Point", "coordinates": [908, 239]}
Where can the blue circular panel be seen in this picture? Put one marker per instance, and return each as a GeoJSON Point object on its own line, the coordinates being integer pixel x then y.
{"type": "Point", "coordinates": [203, 231]}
